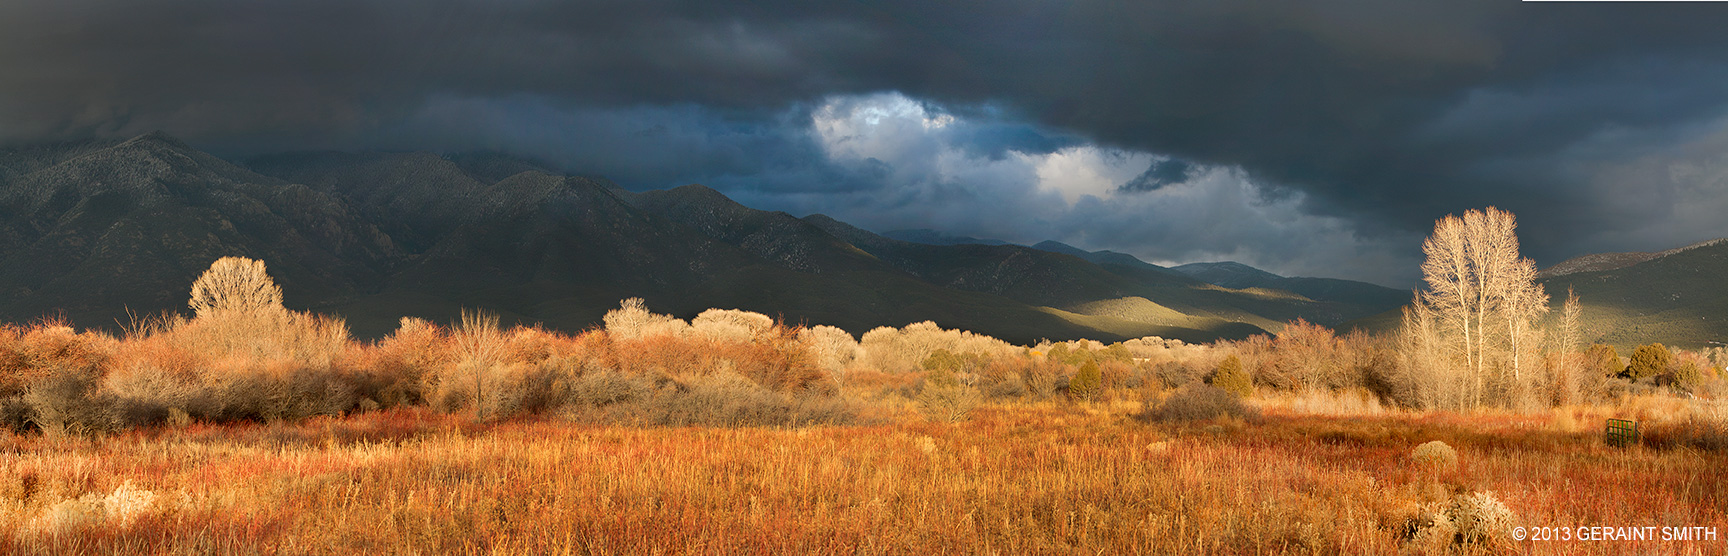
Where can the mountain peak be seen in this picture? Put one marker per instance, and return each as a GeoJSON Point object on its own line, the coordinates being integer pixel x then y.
{"type": "Point", "coordinates": [1229, 274]}
{"type": "Point", "coordinates": [1054, 246]}
{"type": "Point", "coordinates": [156, 138]}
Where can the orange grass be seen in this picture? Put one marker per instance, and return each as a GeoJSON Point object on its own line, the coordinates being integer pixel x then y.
{"type": "Point", "coordinates": [1043, 479]}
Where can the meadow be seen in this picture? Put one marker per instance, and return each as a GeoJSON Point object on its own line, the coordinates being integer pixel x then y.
{"type": "Point", "coordinates": [1044, 478]}
{"type": "Point", "coordinates": [252, 429]}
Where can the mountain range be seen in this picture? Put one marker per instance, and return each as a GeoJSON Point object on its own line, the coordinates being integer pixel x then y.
{"type": "Point", "coordinates": [1675, 297]}
{"type": "Point", "coordinates": [94, 231]}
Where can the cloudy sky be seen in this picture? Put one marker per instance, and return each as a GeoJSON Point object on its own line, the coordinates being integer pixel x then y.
{"type": "Point", "coordinates": [1316, 138]}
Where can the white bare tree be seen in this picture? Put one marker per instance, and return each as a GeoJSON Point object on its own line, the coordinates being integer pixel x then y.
{"type": "Point", "coordinates": [235, 284]}
{"type": "Point", "coordinates": [1483, 296]}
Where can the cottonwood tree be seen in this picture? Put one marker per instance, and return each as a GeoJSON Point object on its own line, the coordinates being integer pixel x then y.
{"type": "Point", "coordinates": [235, 284]}
{"type": "Point", "coordinates": [1566, 356]}
{"type": "Point", "coordinates": [1483, 297]}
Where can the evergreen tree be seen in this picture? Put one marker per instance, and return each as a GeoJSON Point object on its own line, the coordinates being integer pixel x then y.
{"type": "Point", "coordinates": [1230, 377]}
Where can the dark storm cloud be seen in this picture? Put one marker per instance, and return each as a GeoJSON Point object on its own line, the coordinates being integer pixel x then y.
{"type": "Point", "coordinates": [1385, 113]}
{"type": "Point", "coordinates": [1159, 174]}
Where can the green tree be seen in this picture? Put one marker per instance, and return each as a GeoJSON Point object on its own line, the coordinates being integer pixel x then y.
{"type": "Point", "coordinates": [1086, 383]}
{"type": "Point", "coordinates": [1058, 353]}
{"type": "Point", "coordinates": [1118, 352]}
{"type": "Point", "coordinates": [1649, 360]}
{"type": "Point", "coordinates": [941, 367]}
{"type": "Point", "coordinates": [943, 397]}
{"type": "Point", "coordinates": [1688, 373]}
{"type": "Point", "coordinates": [1230, 377]}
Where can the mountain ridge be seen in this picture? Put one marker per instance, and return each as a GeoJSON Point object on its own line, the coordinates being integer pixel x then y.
{"type": "Point", "coordinates": [1597, 262]}
{"type": "Point", "coordinates": [376, 236]}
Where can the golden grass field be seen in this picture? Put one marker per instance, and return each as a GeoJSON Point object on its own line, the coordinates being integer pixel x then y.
{"type": "Point", "coordinates": [1041, 478]}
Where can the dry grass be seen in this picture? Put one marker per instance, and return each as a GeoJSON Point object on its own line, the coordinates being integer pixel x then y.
{"type": "Point", "coordinates": [1048, 478]}
{"type": "Point", "coordinates": [272, 432]}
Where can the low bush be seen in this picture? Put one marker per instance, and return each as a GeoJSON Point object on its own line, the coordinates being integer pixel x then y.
{"type": "Point", "coordinates": [948, 403]}
{"type": "Point", "coordinates": [68, 401]}
{"type": "Point", "coordinates": [721, 399]}
{"type": "Point", "coordinates": [1698, 432]}
{"type": "Point", "coordinates": [397, 366]}
{"type": "Point", "coordinates": [1481, 518]}
{"type": "Point", "coordinates": [1435, 456]}
{"type": "Point", "coordinates": [1198, 402]}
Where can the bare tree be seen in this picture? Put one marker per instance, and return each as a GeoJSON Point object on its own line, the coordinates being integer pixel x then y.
{"type": "Point", "coordinates": [1566, 348]}
{"type": "Point", "coordinates": [480, 343]}
{"type": "Point", "coordinates": [1522, 303]}
{"type": "Point", "coordinates": [1452, 288]}
{"type": "Point", "coordinates": [1428, 379]}
{"type": "Point", "coordinates": [1475, 279]}
{"type": "Point", "coordinates": [235, 284]}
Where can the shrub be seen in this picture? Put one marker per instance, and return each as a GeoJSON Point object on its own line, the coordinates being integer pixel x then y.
{"type": "Point", "coordinates": [1041, 378]}
{"type": "Point", "coordinates": [1705, 429]}
{"type": "Point", "coordinates": [15, 414]}
{"type": "Point", "coordinates": [243, 356]}
{"type": "Point", "coordinates": [632, 320]}
{"type": "Point", "coordinates": [1059, 353]}
{"type": "Point", "coordinates": [1231, 378]}
{"type": "Point", "coordinates": [730, 399]}
{"type": "Point", "coordinates": [1480, 517]}
{"type": "Point", "coordinates": [280, 389]}
{"type": "Point", "coordinates": [96, 510]}
{"type": "Point", "coordinates": [833, 349]}
{"type": "Point", "coordinates": [488, 375]}
{"type": "Point", "coordinates": [1602, 360]}
{"type": "Point", "coordinates": [1087, 382]}
{"type": "Point", "coordinates": [948, 403]}
{"type": "Point", "coordinates": [1117, 352]}
{"type": "Point", "coordinates": [904, 350]}
{"type": "Point", "coordinates": [1648, 360]}
{"type": "Point", "coordinates": [15, 369]}
{"type": "Point", "coordinates": [609, 388]}
{"type": "Point", "coordinates": [778, 361]}
{"type": "Point", "coordinates": [1006, 387]}
{"type": "Point", "coordinates": [1197, 402]}
{"type": "Point", "coordinates": [942, 365]}
{"type": "Point", "coordinates": [150, 378]}
{"type": "Point", "coordinates": [1434, 533]}
{"type": "Point", "coordinates": [268, 364]}
{"type": "Point", "coordinates": [729, 325]}
{"type": "Point", "coordinates": [56, 376]}
{"type": "Point", "coordinates": [397, 366]}
{"type": "Point", "coordinates": [68, 401]}
{"type": "Point", "coordinates": [1435, 456]}
{"type": "Point", "coordinates": [1687, 371]}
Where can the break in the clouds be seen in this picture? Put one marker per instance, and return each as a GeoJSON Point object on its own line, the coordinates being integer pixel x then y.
{"type": "Point", "coordinates": [1599, 124]}
{"type": "Point", "coordinates": [1083, 194]}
